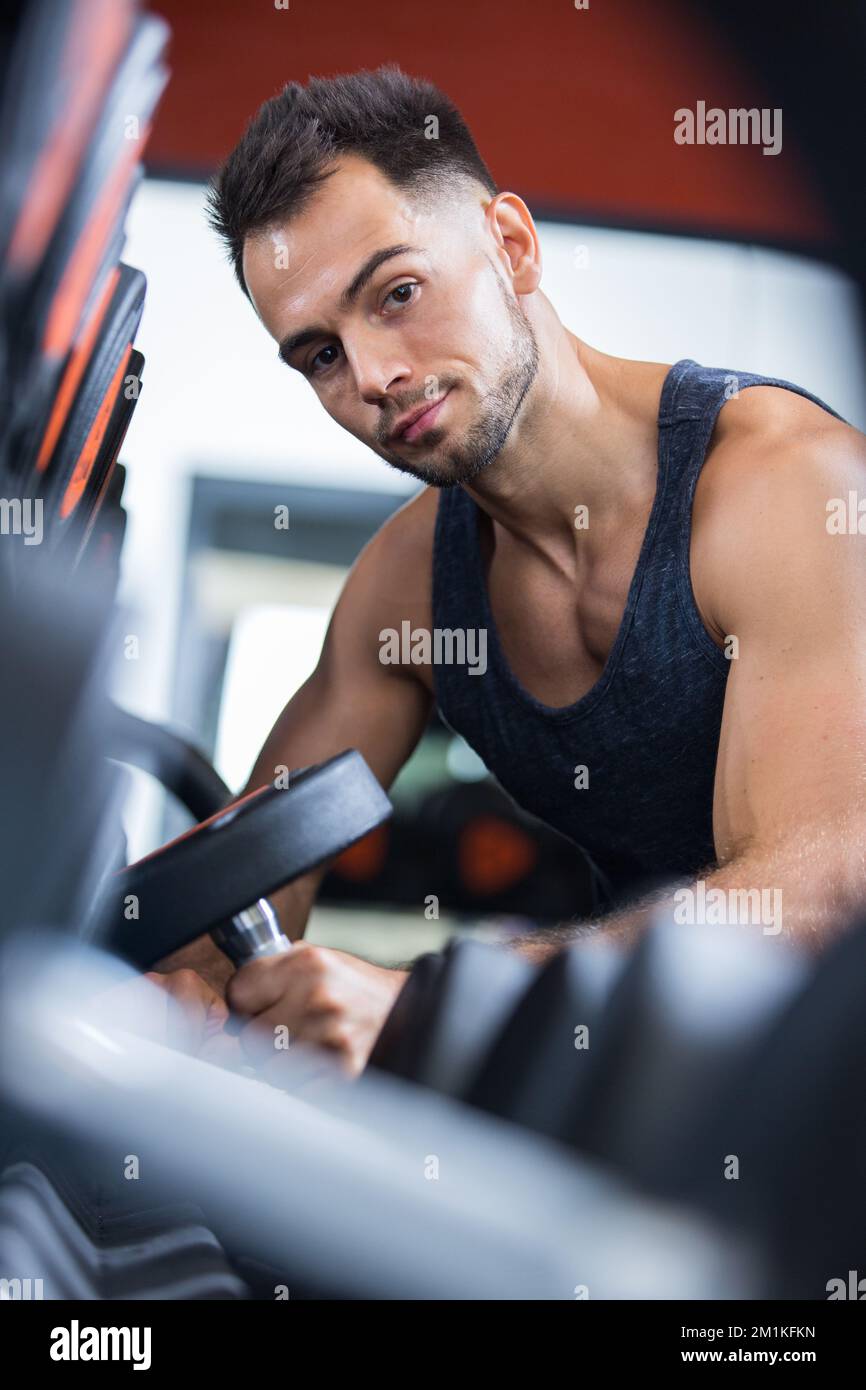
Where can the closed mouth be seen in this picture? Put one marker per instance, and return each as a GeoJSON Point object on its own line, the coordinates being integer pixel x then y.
{"type": "Point", "coordinates": [417, 423]}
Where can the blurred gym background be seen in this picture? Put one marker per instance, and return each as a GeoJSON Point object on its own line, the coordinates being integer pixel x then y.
{"type": "Point", "coordinates": [652, 250]}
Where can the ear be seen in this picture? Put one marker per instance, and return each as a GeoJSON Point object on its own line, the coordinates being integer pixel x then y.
{"type": "Point", "coordinates": [510, 224]}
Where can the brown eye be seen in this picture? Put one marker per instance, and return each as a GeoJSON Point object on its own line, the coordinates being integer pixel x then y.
{"type": "Point", "coordinates": [402, 294]}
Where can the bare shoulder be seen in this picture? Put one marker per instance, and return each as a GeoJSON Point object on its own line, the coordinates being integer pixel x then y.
{"type": "Point", "coordinates": [403, 546]}
{"type": "Point", "coordinates": [392, 578]}
{"type": "Point", "coordinates": [766, 425]}
{"type": "Point", "coordinates": [411, 527]}
{"type": "Point", "coordinates": [775, 465]}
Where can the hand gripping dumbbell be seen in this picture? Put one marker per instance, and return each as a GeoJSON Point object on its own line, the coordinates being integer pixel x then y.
{"type": "Point", "coordinates": [217, 875]}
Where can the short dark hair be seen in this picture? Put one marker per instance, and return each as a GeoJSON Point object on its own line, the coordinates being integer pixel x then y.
{"type": "Point", "coordinates": [284, 152]}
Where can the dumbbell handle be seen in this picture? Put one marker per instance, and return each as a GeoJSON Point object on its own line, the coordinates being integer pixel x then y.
{"type": "Point", "coordinates": [251, 934]}
{"type": "Point", "coordinates": [222, 870]}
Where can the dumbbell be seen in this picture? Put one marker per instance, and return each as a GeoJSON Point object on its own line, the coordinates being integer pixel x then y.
{"type": "Point", "coordinates": [216, 876]}
{"type": "Point", "coordinates": [187, 774]}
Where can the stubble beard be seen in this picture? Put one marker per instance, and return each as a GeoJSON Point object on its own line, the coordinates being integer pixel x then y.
{"type": "Point", "coordinates": [485, 439]}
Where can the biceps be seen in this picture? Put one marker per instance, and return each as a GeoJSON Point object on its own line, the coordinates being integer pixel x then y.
{"type": "Point", "coordinates": [792, 747]}
{"type": "Point", "coordinates": [382, 713]}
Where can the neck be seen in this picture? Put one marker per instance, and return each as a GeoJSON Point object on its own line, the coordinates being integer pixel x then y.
{"type": "Point", "coordinates": [586, 436]}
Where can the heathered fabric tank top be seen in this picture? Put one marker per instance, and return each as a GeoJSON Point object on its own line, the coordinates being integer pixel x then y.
{"type": "Point", "coordinates": [647, 732]}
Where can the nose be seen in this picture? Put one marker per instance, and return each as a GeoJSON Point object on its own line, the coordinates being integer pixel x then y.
{"type": "Point", "coordinates": [376, 365]}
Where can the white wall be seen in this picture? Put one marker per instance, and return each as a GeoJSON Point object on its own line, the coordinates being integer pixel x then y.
{"type": "Point", "coordinates": [215, 400]}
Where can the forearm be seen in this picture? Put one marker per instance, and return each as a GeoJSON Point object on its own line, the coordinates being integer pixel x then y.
{"type": "Point", "coordinates": [805, 887]}
{"type": "Point", "coordinates": [622, 927]}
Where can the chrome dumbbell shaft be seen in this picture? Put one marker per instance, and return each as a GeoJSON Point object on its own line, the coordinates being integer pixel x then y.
{"type": "Point", "coordinates": [250, 934]}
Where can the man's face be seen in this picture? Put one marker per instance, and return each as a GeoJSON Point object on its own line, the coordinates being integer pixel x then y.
{"type": "Point", "coordinates": [432, 328]}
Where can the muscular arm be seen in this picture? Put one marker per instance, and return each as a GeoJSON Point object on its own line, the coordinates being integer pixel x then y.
{"type": "Point", "coordinates": [790, 793]}
{"type": "Point", "coordinates": [351, 700]}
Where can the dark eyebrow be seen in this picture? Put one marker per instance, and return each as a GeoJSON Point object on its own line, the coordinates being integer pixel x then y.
{"type": "Point", "coordinates": [293, 341]}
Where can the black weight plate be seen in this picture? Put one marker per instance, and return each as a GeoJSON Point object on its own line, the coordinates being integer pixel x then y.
{"type": "Point", "coordinates": [243, 853]}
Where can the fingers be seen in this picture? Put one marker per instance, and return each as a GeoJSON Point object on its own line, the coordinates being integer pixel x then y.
{"type": "Point", "coordinates": [205, 959]}
{"type": "Point", "coordinates": [329, 1001]}
{"type": "Point", "coordinates": [281, 995]}
{"type": "Point", "coordinates": [286, 979]}
{"type": "Point", "coordinates": [268, 1038]}
{"type": "Point", "coordinates": [194, 1011]}
{"type": "Point", "coordinates": [313, 995]}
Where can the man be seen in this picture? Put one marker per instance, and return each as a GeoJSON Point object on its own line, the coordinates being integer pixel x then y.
{"type": "Point", "coordinates": [676, 638]}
